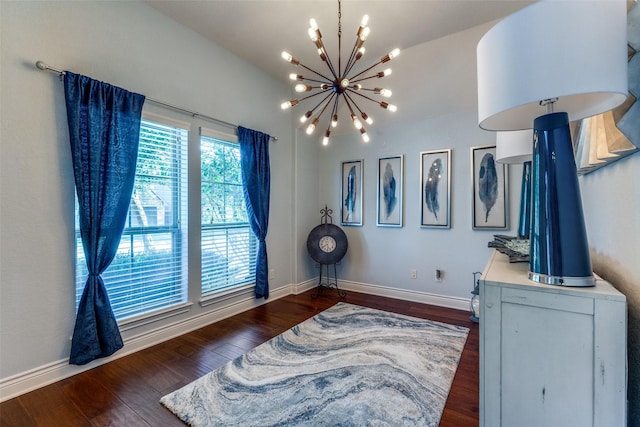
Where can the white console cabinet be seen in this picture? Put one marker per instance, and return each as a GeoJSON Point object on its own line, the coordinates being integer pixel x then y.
{"type": "Point", "coordinates": [550, 356]}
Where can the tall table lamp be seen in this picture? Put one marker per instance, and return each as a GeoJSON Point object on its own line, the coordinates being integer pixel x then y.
{"type": "Point", "coordinates": [547, 64]}
{"type": "Point", "coordinates": [516, 147]}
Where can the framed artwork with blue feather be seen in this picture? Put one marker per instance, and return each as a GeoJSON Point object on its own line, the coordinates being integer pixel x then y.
{"type": "Point", "coordinates": [352, 192]}
{"type": "Point", "coordinates": [435, 176]}
{"type": "Point", "coordinates": [489, 184]}
{"type": "Point", "coordinates": [390, 185]}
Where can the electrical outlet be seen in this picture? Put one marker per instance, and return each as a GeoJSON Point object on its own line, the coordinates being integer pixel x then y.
{"type": "Point", "coordinates": [272, 274]}
{"type": "Point", "coordinates": [439, 275]}
{"type": "Point", "coordinates": [414, 274]}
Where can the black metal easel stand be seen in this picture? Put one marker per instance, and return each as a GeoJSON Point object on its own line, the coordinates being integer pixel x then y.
{"type": "Point", "coordinates": [328, 283]}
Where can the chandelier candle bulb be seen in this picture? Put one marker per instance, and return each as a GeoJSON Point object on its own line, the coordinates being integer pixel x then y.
{"type": "Point", "coordinates": [384, 92]}
{"type": "Point", "coordinates": [366, 118]}
{"type": "Point", "coordinates": [389, 107]}
{"type": "Point", "coordinates": [388, 57]}
{"type": "Point", "coordinates": [357, 123]}
{"type": "Point", "coordinates": [312, 126]}
{"type": "Point", "coordinates": [364, 33]}
{"type": "Point", "coordinates": [365, 136]}
{"type": "Point", "coordinates": [306, 116]}
{"type": "Point", "coordinates": [289, 58]}
{"type": "Point", "coordinates": [325, 139]}
{"type": "Point", "coordinates": [303, 88]}
{"type": "Point", "coordinates": [314, 34]}
{"type": "Point", "coordinates": [289, 104]}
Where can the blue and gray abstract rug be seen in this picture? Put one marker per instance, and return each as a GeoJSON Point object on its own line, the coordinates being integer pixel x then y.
{"type": "Point", "coordinates": [347, 366]}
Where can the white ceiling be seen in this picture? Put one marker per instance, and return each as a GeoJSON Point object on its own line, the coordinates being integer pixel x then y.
{"type": "Point", "coordinates": [259, 30]}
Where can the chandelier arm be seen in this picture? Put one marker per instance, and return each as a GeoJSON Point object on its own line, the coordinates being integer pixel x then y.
{"type": "Point", "coordinates": [352, 58]}
{"type": "Point", "coordinates": [330, 65]}
{"type": "Point", "coordinates": [352, 101]}
{"type": "Point", "coordinates": [328, 60]}
{"type": "Point", "coordinates": [367, 69]}
{"type": "Point", "coordinates": [334, 111]}
{"type": "Point", "coordinates": [316, 73]}
{"type": "Point", "coordinates": [312, 95]}
{"type": "Point", "coordinates": [364, 96]}
{"type": "Point", "coordinates": [375, 76]}
{"type": "Point", "coordinates": [323, 99]}
{"type": "Point", "coordinates": [316, 81]}
{"type": "Point", "coordinates": [346, 100]}
{"type": "Point", "coordinates": [325, 105]}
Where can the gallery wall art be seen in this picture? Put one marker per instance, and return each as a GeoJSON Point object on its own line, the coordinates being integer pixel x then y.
{"type": "Point", "coordinates": [352, 171]}
{"type": "Point", "coordinates": [390, 188]}
{"type": "Point", "coordinates": [435, 191]}
{"type": "Point", "coordinates": [489, 184]}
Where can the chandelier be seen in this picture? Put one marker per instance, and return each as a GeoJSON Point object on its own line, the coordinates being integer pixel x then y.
{"type": "Point", "coordinates": [339, 82]}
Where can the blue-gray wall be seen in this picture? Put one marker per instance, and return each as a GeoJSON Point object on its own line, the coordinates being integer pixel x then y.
{"type": "Point", "coordinates": [131, 45]}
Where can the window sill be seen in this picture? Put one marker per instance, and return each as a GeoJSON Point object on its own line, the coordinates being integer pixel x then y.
{"type": "Point", "coordinates": [224, 295]}
{"type": "Point", "coordinates": [144, 319]}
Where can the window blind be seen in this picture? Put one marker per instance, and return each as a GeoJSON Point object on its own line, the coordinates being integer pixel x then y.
{"type": "Point", "coordinates": [227, 243]}
{"type": "Point", "coordinates": [149, 271]}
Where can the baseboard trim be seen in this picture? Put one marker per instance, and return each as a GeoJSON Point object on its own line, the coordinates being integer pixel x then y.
{"type": "Point", "coordinates": [305, 286]}
{"type": "Point", "coordinates": [50, 373]}
{"type": "Point", "coordinates": [406, 295]}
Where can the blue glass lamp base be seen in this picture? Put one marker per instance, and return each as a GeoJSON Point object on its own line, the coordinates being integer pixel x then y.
{"type": "Point", "coordinates": [559, 251]}
{"type": "Point", "coordinates": [524, 223]}
{"type": "Point", "coordinates": [562, 280]}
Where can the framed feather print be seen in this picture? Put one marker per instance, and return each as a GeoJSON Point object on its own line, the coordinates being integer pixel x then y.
{"type": "Point", "coordinates": [489, 183]}
{"type": "Point", "coordinates": [435, 190]}
{"type": "Point", "coordinates": [351, 192]}
{"type": "Point", "coordinates": [390, 183]}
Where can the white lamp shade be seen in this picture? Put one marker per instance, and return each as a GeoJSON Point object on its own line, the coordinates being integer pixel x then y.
{"type": "Point", "coordinates": [515, 146]}
{"type": "Point", "coordinates": [574, 50]}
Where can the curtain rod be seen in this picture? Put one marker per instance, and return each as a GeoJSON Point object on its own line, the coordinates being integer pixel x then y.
{"type": "Point", "coordinates": [41, 65]}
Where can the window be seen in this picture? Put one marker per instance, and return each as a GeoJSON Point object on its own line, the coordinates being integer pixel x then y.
{"type": "Point", "coordinates": [149, 271]}
{"type": "Point", "coordinates": [228, 245]}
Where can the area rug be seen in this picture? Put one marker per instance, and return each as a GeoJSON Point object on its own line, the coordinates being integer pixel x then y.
{"type": "Point", "coordinates": [347, 366]}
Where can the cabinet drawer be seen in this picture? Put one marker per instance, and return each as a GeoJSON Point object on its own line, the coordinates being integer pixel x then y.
{"type": "Point", "coordinates": [548, 300]}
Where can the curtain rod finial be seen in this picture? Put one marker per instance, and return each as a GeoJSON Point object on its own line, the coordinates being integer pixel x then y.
{"type": "Point", "coordinates": [41, 65]}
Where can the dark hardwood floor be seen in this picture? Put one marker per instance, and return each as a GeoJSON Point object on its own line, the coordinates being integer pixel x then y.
{"type": "Point", "coordinates": [125, 392]}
